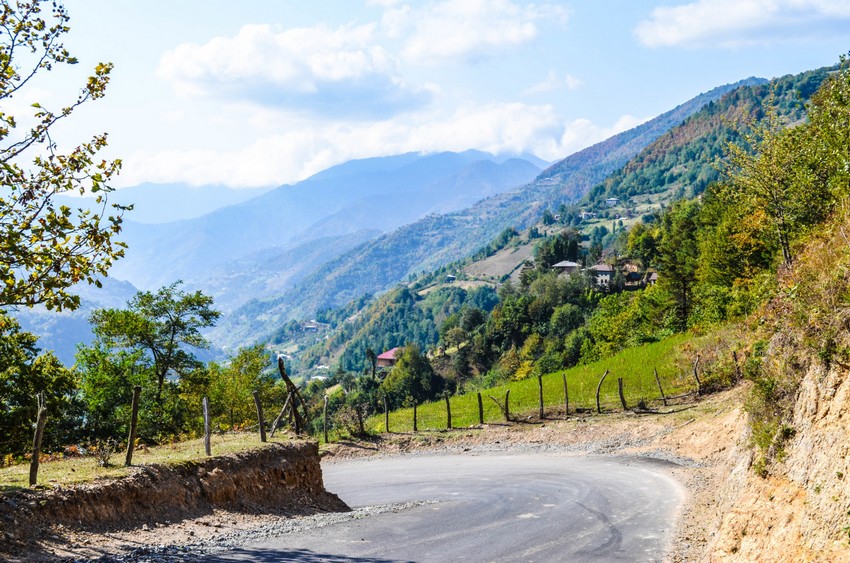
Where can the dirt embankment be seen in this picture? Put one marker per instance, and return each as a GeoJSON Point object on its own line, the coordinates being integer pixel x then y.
{"type": "Point", "coordinates": [801, 511]}
{"type": "Point", "coordinates": [280, 478]}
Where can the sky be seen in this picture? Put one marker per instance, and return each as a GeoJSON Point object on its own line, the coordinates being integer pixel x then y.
{"type": "Point", "coordinates": [262, 93]}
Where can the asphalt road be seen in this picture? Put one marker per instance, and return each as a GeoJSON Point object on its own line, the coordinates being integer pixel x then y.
{"type": "Point", "coordinates": [523, 507]}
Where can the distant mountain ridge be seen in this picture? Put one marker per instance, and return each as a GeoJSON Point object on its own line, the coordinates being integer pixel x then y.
{"type": "Point", "coordinates": [366, 196]}
{"type": "Point", "coordinates": [438, 239]}
{"type": "Point", "coordinates": [164, 203]}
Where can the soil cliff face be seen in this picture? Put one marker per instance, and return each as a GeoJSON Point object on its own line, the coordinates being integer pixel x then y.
{"type": "Point", "coordinates": [800, 511]}
{"type": "Point", "coordinates": [283, 478]}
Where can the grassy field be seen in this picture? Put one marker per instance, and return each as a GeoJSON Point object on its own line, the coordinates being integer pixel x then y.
{"type": "Point", "coordinates": [70, 470]}
{"type": "Point", "coordinates": [634, 365]}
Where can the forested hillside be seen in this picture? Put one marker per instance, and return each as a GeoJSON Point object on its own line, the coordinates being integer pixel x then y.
{"type": "Point", "coordinates": [687, 158]}
{"type": "Point", "coordinates": [440, 239]}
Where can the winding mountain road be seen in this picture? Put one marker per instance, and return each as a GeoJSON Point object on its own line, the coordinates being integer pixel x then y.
{"type": "Point", "coordinates": [517, 507]}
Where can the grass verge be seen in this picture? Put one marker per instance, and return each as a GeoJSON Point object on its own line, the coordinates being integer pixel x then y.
{"type": "Point", "coordinates": [636, 366]}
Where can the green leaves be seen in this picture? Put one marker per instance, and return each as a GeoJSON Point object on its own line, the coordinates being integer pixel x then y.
{"type": "Point", "coordinates": [45, 251]}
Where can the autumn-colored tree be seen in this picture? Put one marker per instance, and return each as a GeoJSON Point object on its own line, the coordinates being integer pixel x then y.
{"type": "Point", "coordinates": [45, 247]}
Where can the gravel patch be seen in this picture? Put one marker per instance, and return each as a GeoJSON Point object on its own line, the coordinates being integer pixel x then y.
{"type": "Point", "coordinates": [200, 550]}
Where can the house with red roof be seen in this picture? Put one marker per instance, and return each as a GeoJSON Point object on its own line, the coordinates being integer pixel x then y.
{"type": "Point", "coordinates": [387, 359]}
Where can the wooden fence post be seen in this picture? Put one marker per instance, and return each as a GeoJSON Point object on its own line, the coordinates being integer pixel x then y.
{"type": "Point", "coordinates": [207, 447]}
{"type": "Point", "coordinates": [359, 410]}
{"type": "Point", "coordinates": [448, 413]}
{"type": "Point", "coordinates": [415, 427]}
{"type": "Point", "coordinates": [325, 419]}
{"type": "Point", "coordinates": [257, 402]}
{"type": "Point", "coordinates": [598, 388]}
{"type": "Point", "coordinates": [41, 420]}
{"type": "Point", "coordinates": [480, 410]}
{"type": "Point", "coordinates": [540, 412]}
{"type": "Point", "coordinates": [386, 414]}
{"type": "Point", "coordinates": [134, 419]}
{"type": "Point", "coordinates": [507, 406]}
{"type": "Point", "coordinates": [566, 396]}
{"type": "Point", "coordinates": [696, 376]}
{"type": "Point", "coordinates": [738, 374]}
{"type": "Point", "coordinates": [660, 388]}
{"type": "Point", "coordinates": [620, 390]}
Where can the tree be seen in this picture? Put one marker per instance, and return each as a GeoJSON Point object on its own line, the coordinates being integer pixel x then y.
{"type": "Point", "coordinates": [678, 256]}
{"type": "Point", "coordinates": [23, 373]}
{"type": "Point", "coordinates": [45, 247]}
{"type": "Point", "coordinates": [412, 377]}
{"type": "Point", "coordinates": [164, 325]}
{"type": "Point", "coordinates": [230, 385]}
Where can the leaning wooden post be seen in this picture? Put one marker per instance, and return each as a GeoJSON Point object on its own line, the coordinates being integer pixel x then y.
{"type": "Point", "coordinates": [448, 413]}
{"type": "Point", "coordinates": [257, 402]}
{"type": "Point", "coordinates": [207, 448]}
{"type": "Point", "coordinates": [508, 405]}
{"type": "Point", "coordinates": [660, 388]}
{"type": "Point", "coordinates": [540, 412]}
{"type": "Point", "coordinates": [566, 396]}
{"type": "Point", "coordinates": [41, 420]}
{"type": "Point", "coordinates": [280, 415]}
{"type": "Point", "coordinates": [598, 388]}
{"type": "Point", "coordinates": [325, 419]}
{"type": "Point", "coordinates": [696, 376]}
{"type": "Point", "coordinates": [737, 367]}
{"type": "Point", "coordinates": [620, 391]}
{"type": "Point", "coordinates": [415, 427]}
{"type": "Point", "coordinates": [480, 410]}
{"type": "Point", "coordinates": [386, 414]}
{"type": "Point", "coordinates": [134, 419]}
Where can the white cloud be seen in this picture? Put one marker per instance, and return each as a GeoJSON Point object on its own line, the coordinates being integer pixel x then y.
{"type": "Point", "coordinates": [332, 72]}
{"type": "Point", "coordinates": [731, 23]}
{"type": "Point", "coordinates": [467, 30]}
{"type": "Point", "coordinates": [554, 82]}
{"type": "Point", "coordinates": [299, 153]}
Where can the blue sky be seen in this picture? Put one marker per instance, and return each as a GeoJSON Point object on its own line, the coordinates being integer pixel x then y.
{"type": "Point", "coordinates": [259, 93]}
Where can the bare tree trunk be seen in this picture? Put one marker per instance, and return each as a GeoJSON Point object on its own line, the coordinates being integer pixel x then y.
{"type": "Point", "coordinates": [41, 420]}
{"type": "Point", "coordinates": [448, 413]}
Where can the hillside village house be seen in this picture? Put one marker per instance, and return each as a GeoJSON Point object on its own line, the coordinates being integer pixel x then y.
{"type": "Point", "coordinates": [387, 359]}
{"type": "Point", "coordinates": [612, 201]}
{"type": "Point", "coordinates": [603, 273]}
{"type": "Point", "coordinates": [565, 267]}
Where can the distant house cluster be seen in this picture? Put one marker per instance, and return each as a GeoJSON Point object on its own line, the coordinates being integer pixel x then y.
{"type": "Point", "coordinates": [604, 274]}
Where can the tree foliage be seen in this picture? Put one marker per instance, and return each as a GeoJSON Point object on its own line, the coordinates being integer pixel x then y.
{"type": "Point", "coordinates": [165, 326]}
{"type": "Point", "coordinates": [45, 247]}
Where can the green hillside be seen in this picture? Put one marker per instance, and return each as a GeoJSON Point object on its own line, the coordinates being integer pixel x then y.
{"type": "Point", "coordinates": [440, 239]}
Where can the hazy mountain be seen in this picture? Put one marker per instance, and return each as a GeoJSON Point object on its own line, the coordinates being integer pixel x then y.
{"type": "Point", "coordinates": [62, 332]}
{"type": "Point", "coordinates": [377, 194]}
{"type": "Point", "coordinates": [164, 203]}
{"type": "Point", "coordinates": [439, 239]}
